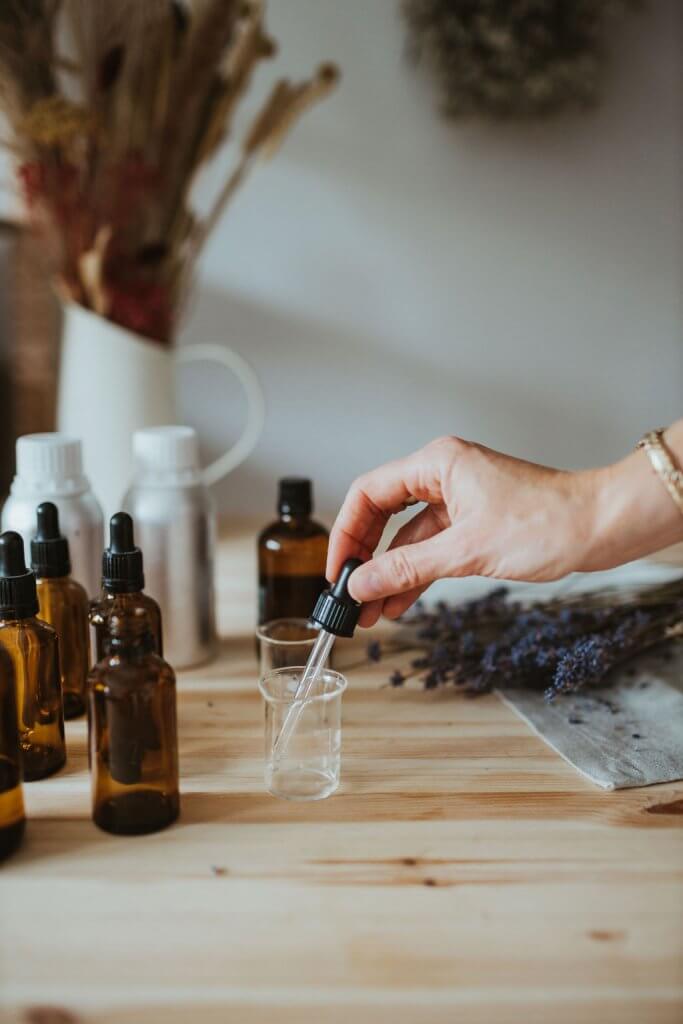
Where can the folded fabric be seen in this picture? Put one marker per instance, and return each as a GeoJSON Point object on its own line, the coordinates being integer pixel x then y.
{"type": "Point", "coordinates": [619, 736]}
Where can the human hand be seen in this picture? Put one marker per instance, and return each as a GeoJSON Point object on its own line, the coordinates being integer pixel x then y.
{"type": "Point", "coordinates": [487, 514]}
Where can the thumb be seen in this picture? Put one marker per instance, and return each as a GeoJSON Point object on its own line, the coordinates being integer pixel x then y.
{"type": "Point", "coordinates": [400, 569]}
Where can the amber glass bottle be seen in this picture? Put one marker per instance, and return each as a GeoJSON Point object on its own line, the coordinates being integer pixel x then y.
{"type": "Point", "coordinates": [64, 605]}
{"type": "Point", "coordinates": [122, 574]}
{"type": "Point", "coordinates": [11, 797]}
{"type": "Point", "coordinates": [292, 553]}
{"type": "Point", "coordinates": [132, 727]}
{"type": "Point", "coordinates": [32, 648]}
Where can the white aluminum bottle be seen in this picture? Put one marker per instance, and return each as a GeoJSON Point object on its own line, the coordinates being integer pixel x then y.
{"type": "Point", "coordinates": [175, 529]}
{"type": "Point", "coordinates": [49, 467]}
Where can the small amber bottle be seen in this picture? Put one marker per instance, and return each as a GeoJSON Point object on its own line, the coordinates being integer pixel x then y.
{"type": "Point", "coordinates": [64, 605]}
{"type": "Point", "coordinates": [123, 580]}
{"type": "Point", "coordinates": [33, 652]}
{"type": "Point", "coordinates": [292, 553]}
{"type": "Point", "coordinates": [11, 796]}
{"type": "Point", "coordinates": [132, 727]}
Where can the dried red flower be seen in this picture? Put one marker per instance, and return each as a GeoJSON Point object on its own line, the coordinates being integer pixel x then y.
{"type": "Point", "coordinates": [143, 307]}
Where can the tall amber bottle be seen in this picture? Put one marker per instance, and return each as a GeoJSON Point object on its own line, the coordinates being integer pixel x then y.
{"type": "Point", "coordinates": [64, 605]}
{"type": "Point", "coordinates": [33, 652]}
{"type": "Point", "coordinates": [11, 797]}
{"type": "Point", "coordinates": [123, 578]}
{"type": "Point", "coordinates": [132, 727]}
{"type": "Point", "coordinates": [292, 552]}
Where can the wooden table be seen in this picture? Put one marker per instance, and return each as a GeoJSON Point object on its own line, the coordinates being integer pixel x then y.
{"type": "Point", "coordinates": [463, 873]}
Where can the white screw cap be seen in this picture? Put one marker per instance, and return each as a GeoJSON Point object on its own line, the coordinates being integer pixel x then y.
{"type": "Point", "coordinates": [171, 449]}
{"type": "Point", "coordinates": [49, 460]}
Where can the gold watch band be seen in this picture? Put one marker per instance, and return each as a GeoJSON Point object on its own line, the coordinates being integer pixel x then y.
{"type": "Point", "coordinates": [663, 464]}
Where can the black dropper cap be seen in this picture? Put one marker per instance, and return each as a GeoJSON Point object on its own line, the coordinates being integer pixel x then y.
{"type": "Point", "coordinates": [335, 610]}
{"type": "Point", "coordinates": [49, 550]}
{"type": "Point", "coordinates": [295, 496]}
{"type": "Point", "coordinates": [122, 561]}
{"type": "Point", "coordinates": [18, 594]}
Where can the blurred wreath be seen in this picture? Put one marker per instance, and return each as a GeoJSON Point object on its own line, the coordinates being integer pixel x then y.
{"type": "Point", "coordinates": [513, 58]}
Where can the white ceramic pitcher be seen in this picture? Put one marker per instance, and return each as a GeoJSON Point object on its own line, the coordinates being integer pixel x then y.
{"type": "Point", "coordinates": [112, 382]}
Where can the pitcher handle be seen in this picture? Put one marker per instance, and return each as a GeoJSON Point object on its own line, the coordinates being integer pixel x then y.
{"type": "Point", "coordinates": [256, 409]}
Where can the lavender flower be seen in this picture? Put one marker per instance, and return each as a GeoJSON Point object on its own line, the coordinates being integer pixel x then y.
{"type": "Point", "coordinates": [589, 659]}
{"type": "Point", "coordinates": [559, 646]}
{"type": "Point", "coordinates": [374, 650]}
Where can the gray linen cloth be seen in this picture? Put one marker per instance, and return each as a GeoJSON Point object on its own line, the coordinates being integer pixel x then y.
{"type": "Point", "coordinates": [623, 735]}
{"type": "Point", "coordinates": [619, 736]}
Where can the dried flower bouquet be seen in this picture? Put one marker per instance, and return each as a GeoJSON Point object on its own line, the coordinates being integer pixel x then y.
{"type": "Point", "coordinates": [113, 106]}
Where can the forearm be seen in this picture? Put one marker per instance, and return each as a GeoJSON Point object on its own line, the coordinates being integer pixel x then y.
{"type": "Point", "coordinates": [633, 514]}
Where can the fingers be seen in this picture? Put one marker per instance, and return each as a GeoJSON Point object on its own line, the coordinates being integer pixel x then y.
{"type": "Point", "coordinates": [372, 499]}
{"type": "Point", "coordinates": [343, 545]}
{"type": "Point", "coordinates": [370, 613]}
{"type": "Point", "coordinates": [401, 570]}
{"type": "Point", "coordinates": [421, 527]}
{"type": "Point", "coordinates": [459, 560]}
{"type": "Point", "coordinates": [398, 604]}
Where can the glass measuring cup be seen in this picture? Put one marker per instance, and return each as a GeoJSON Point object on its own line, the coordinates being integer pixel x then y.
{"type": "Point", "coordinates": [309, 767]}
{"type": "Point", "coordinates": [284, 643]}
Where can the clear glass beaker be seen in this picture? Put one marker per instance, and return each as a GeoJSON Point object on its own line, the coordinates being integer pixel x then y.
{"type": "Point", "coordinates": [284, 643]}
{"type": "Point", "coordinates": [309, 766]}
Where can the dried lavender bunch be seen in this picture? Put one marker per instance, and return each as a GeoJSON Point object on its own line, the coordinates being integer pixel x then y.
{"type": "Point", "coordinates": [512, 58]}
{"type": "Point", "coordinates": [592, 657]}
{"type": "Point", "coordinates": [557, 646]}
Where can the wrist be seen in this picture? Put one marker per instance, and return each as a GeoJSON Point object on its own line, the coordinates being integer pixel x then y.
{"type": "Point", "coordinates": [631, 514]}
{"type": "Point", "coordinates": [589, 487]}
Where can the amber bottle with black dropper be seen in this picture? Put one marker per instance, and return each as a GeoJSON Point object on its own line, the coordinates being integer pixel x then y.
{"type": "Point", "coordinates": [12, 819]}
{"type": "Point", "coordinates": [123, 580]}
{"type": "Point", "coordinates": [133, 742]}
{"type": "Point", "coordinates": [292, 553]}
{"type": "Point", "coordinates": [63, 604]}
{"type": "Point", "coordinates": [33, 652]}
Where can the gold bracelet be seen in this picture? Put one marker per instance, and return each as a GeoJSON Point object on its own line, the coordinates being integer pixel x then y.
{"type": "Point", "coordinates": [663, 464]}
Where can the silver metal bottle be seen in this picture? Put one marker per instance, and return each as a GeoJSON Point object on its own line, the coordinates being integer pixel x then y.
{"type": "Point", "coordinates": [175, 529]}
{"type": "Point", "coordinates": [49, 467]}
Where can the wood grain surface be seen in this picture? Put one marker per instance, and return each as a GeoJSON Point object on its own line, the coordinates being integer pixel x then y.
{"type": "Point", "coordinates": [463, 873]}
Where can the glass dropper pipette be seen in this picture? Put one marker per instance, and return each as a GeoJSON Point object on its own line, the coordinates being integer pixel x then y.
{"type": "Point", "coordinates": [336, 613]}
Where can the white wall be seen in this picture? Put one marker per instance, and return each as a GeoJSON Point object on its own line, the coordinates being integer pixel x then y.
{"type": "Point", "coordinates": [392, 276]}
